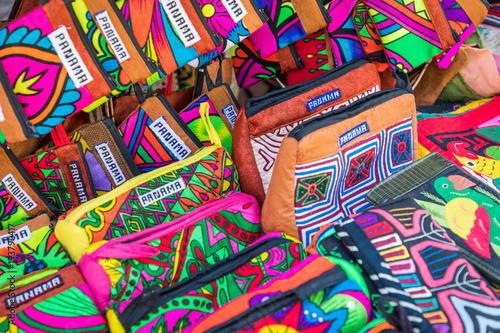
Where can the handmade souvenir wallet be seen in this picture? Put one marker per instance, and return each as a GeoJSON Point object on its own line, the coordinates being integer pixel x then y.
{"type": "Point", "coordinates": [314, 295]}
{"type": "Point", "coordinates": [45, 70]}
{"type": "Point", "coordinates": [172, 32]}
{"type": "Point", "coordinates": [171, 252]}
{"type": "Point", "coordinates": [289, 21]}
{"type": "Point", "coordinates": [151, 198]}
{"type": "Point", "coordinates": [20, 196]}
{"type": "Point", "coordinates": [30, 249]}
{"type": "Point", "coordinates": [263, 122]}
{"type": "Point", "coordinates": [61, 302]}
{"type": "Point", "coordinates": [120, 39]}
{"type": "Point", "coordinates": [257, 264]}
{"type": "Point", "coordinates": [222, 108]}
{"type": "Point", "coordinates": [409, 256]}
{"type": "Point", "coordinates": [326, 165]}
{"type": "Point", "coordinates": [156, 136]}
{"type": "Point", "coordinates": [62, 174]}
{"type": "Point", "coordinates": [232, 21]}
{"type": "Point", "coordinates": [461, 204]}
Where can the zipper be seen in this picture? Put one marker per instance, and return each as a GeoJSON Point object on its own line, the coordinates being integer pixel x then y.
{"type": "Point", "coordinates": [324, 12]}
{"type": "Point", "coordinates": [199, 81]}
{"type": "Point", "coordinates": [29, 129]}
{"type": "Point", "coordinates": [298, 60]}
{"type": "Point", "coordinates": [131, 183]}
{"type": "Point", "coordinates": [110, 125]}
{"type": "Point", "coordinates": [111, 83]}
{"type": "Point", "coordinates": [455, 35]}
{"type": "Point", "coordinates": [184, 221]}
{"type": "Point", "coordinates": [19, 167]}
{"type": "Point", "coordinates": [179, 121]}
{"type": "Point", "coordinates": [127, 28]}
{"type": "Point", "coordinates": [262, 14]}
{"type": "Point", "coordinates": [282, 300]}
{"type": "Point", "coordinates": [254, 105]}
{"type": "Point", "coordinates": [350, 111]}
{"type": "Point", "coordinates": [216, 39]}
{"type": "Point", "coordinates": [136, 309]}
{"type": "Point", "coordinates": [87, 170]}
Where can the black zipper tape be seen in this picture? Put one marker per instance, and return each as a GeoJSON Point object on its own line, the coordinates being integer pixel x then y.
{"type": "Point", "coordinates": [216, 39]}
{"type": "Point", "coordinates": [19, 167]}
{"type": "Point", "coordinates": [255, 105]}
{"type": "Point", "coordinates": [272, 305]}
{"type": "Point", "coordinates": [110, 125]}
{"type": "Point", "coordinates": [28, 128]}
{"type": "Point", "coordinates": [129, 31]}
{"type": "Point", "coordinates": [137, 309]}
{"type": "Point", "coordinates": [341, 114]}
{"type": "Point", "coordinates": [90, 50]}
{"type": "Point", "coordinates": [179, 121]}
{"type": "Point", "coordinates": [87, 170]}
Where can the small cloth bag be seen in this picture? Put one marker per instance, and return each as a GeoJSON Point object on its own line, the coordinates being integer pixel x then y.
{"type": "Point", "coordinates": [465, 207]}
{"type": "Point", "coordinates": [151, 198]}
{"type": "Point", "coordinates": [61, 302]}
{"type": "Point", "coordinates": [119, 270]}
{"type": "Point", "coordinates": [408, 255]}
{"type": "Point", "coordinates": [326, 165]}
{"type": "Point", "coordinates": [316, 296]}
{"type": "Point", "coordinates": [178, 307]}
{"type": "Point", "coordinates": [62, 174]}
{"type": "Point", "coordinates": [20, 197]}
{"type": "Point", "coordinates": [263, 122]}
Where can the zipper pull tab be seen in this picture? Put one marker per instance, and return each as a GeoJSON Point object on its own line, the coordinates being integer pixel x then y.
{"type": "Point", "coordinates": [31, 128]}
{"type": "Point", "coordinates": [264, 15]}
{"type": "Point", "coordinates": [326, 14]}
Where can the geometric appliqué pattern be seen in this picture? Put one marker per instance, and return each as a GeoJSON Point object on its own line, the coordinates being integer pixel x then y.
{"type": "Point", "coordinates": [312, 189]}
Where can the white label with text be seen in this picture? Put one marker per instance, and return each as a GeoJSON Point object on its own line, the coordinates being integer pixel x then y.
{"type": "Point", "coordinates": [111, 35]}
{"type": "Point", "coordinates": [70, 57]}
{"type": "Point", "coordinates": [18, 193]}
{"type": "Point", "coordinates": [109, 161]}
{"type": "Point", "coordinates": [162, 192]}
{"type": "Point", "coordinates": [181, 22]}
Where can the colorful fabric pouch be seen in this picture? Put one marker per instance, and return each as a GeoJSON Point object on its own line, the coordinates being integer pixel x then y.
{"type": "Point", "coordinates": [231, 21]}
{"type": "Point", "coordinates": [316, 295]}
{"type": "Point", "coordinates": [107, 156]}
{"type": "Point", "coordinates": [61, 302]}
{"type": "Point", "coordinates": [456, 137]}
{"type": "Point", "coordinates": [122, 269]}
{"type": "Point", "coordinates": [30, 249]}
{"type": "Point", "coordinates": [156, 136]}
{"type": "Point", "coordinates": [178, 307]}
{"type": "Point", "coordinates": [20, 197]}
{"type": "Point", "coordinates": [250, 68]}
{"type": "Point", "coordinates": [171, 33]}
{"type": "Point", "coordinates": [103, 52]}
{"type": "Point", "coordinates": [49, 89]}
{"type": "Point", "coordinates": [465, 207]}
{"type": "Point", "coordinates": [326, 49]}
{"type": "Point", "coordinates": [63, 176]}
{"type": "Point", "coordinates": [415, 260]}
{"type": "Point", "coordinates": [326, 165]}
{"type": "Point", "coordinates": [436, 28]}
{"type": "Point", "coordinates": [263, 122]}
{"type": "Point", "coordinates": [151, 198]}
{"type": "Point", "coordinates": [222, 110]}
{"type": "Point", "coordinates": [120, 39]}
{"type": "Point", "coordinates": [289, 21]}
